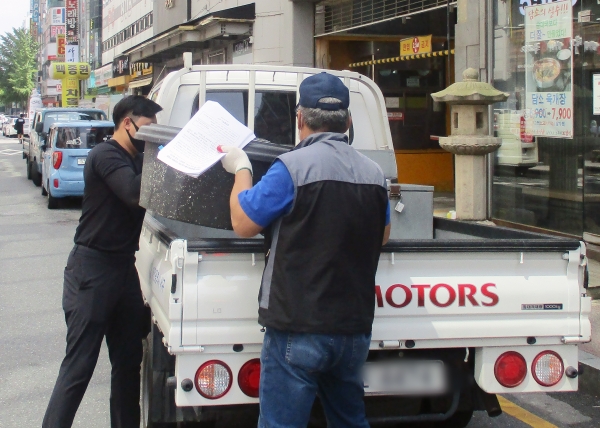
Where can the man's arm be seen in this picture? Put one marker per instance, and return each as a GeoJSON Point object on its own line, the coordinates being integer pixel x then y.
{"type": "Point", "coordinates": [242, 224]}
{"type": "Point", "coordinates": [119, 177]}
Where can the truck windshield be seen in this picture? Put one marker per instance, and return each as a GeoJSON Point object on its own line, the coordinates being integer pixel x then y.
{"type": "Point", "coordinates": [71, 116]}
{"type": "Point", "coordinates": [81, 137]}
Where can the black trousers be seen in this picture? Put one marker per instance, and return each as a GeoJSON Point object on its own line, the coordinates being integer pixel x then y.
{"type": "Point", "coordinates": [101, 297]}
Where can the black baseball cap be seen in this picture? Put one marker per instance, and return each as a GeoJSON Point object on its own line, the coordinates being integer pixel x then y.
{"type": "Point", "coordinates": [323, 85]}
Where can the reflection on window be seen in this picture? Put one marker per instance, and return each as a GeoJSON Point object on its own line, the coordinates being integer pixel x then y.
{"type": "Point", "coordinates": [81, 137]}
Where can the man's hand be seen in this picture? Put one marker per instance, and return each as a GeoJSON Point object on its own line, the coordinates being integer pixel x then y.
{"type": "Point", "coordinates": [235, 159]}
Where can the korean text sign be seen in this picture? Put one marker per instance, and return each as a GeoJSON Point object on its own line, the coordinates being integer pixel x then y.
{"type": "Point", "coordinates": [415, 45]}
{"type": "Point", "coordinates": [71, 20]}
{"type": "Point", "coordinates": [548, 69]}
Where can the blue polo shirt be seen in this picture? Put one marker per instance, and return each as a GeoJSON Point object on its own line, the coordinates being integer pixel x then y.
{"type": "Point", "coordinates": [273, 196]}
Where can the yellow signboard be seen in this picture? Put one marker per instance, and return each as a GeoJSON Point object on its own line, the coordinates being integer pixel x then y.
{"type": "Point", "coordinates": [70, 70]}
{"type": "Point", "coordinates": [415, 45]}
{"type": "Point", "coordinates": [61, 44]}
{"type": "Point", "coordinates": [70, 93]}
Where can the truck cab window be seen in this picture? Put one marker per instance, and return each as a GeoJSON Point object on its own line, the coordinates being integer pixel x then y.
{"type": "Point", "coordinates": [275, 117]}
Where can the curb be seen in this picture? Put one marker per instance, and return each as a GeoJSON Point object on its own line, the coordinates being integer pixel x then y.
{"type": "Point", "coordinates": [589, 381]}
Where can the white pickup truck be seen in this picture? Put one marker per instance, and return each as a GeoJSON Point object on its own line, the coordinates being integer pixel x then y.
{"type": "Point", "coordinates": [463, 313]}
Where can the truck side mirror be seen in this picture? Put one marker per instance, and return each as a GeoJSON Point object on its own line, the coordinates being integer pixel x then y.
{"type": "Point", "coordinates": [39, 127]}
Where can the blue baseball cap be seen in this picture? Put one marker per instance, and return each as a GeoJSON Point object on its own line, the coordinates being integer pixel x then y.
{"type": "Point", "coordinates": [323, 85]}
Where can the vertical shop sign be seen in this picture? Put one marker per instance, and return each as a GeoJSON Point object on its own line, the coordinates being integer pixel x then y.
{"type": "Point", "coordinates": [71, 19]}
{"type": "Point", "coordinates": [548, 69]}
{"type": "Point", "coordinates": [72, 53]}
{"type": "Point", "coordinates": [596, 93]}
{"type": "Point", "coordinates": [61, 47]}
{"type": "Point", "coordinates": [70, 92]}
{"type": "Point", "coordinates": [35, 15]}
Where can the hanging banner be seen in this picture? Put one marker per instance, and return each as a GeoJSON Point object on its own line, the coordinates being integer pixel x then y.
{"type": "Point", "coordinates": [70, 93]}
{"type": "Point", "coordinates": [415, 45]}
{"type": "Point", "coordinates": [548, 70]}
{"type": "Point", "coordinates": [72, 70]}
{"type": "Point", "coordinates": [71, 20]}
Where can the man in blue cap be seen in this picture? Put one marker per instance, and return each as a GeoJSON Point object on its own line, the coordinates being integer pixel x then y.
{"type": "Point", "coordinates": [324, 211]}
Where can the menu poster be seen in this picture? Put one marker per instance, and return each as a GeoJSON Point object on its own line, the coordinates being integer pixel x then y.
{"type": "Point", "coordinates": [548, 69]}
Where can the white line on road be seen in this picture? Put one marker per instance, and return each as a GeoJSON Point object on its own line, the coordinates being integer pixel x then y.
{"type": "Point", "coordinates": [10, 152]}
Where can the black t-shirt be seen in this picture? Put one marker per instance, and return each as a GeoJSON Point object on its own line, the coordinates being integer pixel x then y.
{"type": "Point", "coordinates": [111, 218]}
{"type": "Point", "coordinates": [19, 124]}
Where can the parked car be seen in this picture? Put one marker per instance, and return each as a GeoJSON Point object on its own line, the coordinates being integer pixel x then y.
{"type": "Point", "coordinates": [41, 122]}
{"type": "Point", "coordinates": [8, 129]}
{"type": "Point", "coordinates": [64, 156]}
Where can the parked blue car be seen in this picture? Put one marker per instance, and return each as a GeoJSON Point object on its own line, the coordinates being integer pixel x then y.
{"type": "Point", "coordinates": [64, 156]}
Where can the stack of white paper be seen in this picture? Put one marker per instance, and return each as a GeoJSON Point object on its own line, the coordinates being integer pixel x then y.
{"type": "Point", "coordinates": [194, 149]}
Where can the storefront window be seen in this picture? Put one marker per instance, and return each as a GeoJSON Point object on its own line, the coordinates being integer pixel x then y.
{"type": "Point", "coordinates": [550, 183]}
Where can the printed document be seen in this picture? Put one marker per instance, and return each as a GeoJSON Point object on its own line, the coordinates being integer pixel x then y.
{"type": "Point", "coordinates": [194, 149]}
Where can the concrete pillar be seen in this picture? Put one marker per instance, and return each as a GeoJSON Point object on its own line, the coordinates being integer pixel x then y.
{"type": "Point", "coordinates": [470, 37]}
{"type": "Point", "coordinates": [283, 33]}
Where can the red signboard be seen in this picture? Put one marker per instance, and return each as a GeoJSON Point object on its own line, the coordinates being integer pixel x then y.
{"type": "Point", "coordinates": [56, 29]}
{"type": "Point", "coordinates": [71, 20]}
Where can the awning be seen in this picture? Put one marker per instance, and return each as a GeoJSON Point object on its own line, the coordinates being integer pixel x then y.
{"type": "Point", "coordinates": [138, 83]}
{"type": "Point", "coordinates": [119, 81]}
{"type": "Point", "coordinates": [189, 38]}
{"type": "Point", "coordinates": [402, 58]}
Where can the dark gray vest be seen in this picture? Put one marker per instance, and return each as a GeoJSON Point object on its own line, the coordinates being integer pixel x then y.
{"type": "Point", "coordinates": [323, 255]}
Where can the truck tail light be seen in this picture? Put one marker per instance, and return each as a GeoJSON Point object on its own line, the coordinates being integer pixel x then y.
{"type": "Point", "coordinates": [547, 368]}
{"type": "Point", "coordinates": [56, 159]}
{"type": "Point", "coordinates": [510, 369]}
{"type": "Point", "coordinates": [249, 378]}
{"type": "Point", "coordinates": [213, 379]}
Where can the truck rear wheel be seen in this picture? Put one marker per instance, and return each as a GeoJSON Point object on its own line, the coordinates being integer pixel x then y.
{"type": "Point", "coordinates": [153, 382]}
{"type": "Point", "coordinates": [460, 419]}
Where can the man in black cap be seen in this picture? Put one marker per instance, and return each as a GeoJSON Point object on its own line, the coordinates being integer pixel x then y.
{"type": "Point", "coordinates": [325, 214]}
{"type": "Point", "coordinates": [19, 124]}
{"type": "Point", "coordinates": [101, 291]}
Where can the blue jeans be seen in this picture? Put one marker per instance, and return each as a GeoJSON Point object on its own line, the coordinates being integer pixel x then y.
{"type": "Point", "coordinates": [295, 367]}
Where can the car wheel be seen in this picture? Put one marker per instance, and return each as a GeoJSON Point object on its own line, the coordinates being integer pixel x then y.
{"type": "Point", "coordinates": [44, 192]}
{"type": "Point", "coordinates": [52, 201]}
{"type": "Point", "coordinates": [28, 169]}
{"type": "Point", "coordinates": [36, 177]}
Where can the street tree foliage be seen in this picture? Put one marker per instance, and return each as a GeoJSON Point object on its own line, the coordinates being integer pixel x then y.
{"type": "Point", "coordinates": [18, 65]}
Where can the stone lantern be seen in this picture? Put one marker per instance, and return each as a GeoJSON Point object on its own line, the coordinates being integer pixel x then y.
{"type": "Point", "coordinates": [469, 140]}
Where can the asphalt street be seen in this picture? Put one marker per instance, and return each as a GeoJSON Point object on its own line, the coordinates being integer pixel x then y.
{"type": "Point", "coordinates": [34, 244]}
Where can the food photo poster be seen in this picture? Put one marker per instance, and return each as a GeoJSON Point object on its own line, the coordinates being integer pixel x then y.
{"type": "Point", "coordinates": [549, 48]}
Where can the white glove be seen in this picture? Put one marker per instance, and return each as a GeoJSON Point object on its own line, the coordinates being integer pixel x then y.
{"type": "Point", "coordinates": [235, 159]}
